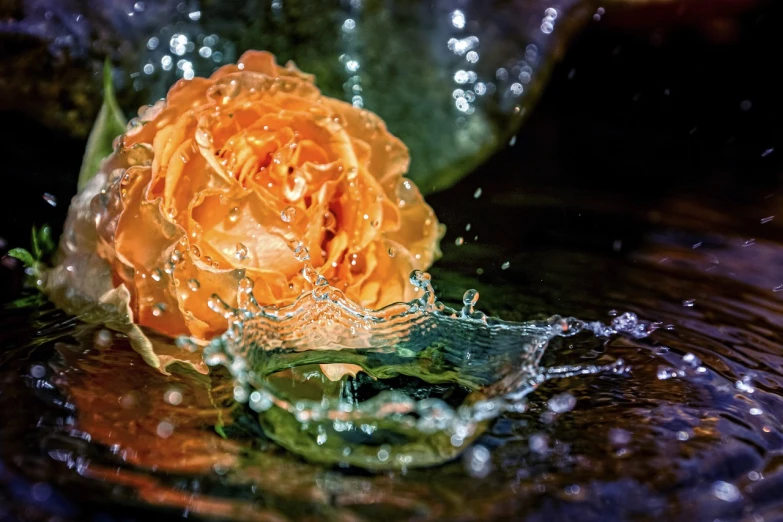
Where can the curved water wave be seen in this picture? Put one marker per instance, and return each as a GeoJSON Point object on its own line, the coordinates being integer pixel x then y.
{"type": "Point", "coordinates": [433, 376]}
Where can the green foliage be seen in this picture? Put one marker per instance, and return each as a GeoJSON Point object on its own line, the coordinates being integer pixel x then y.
{"type": "Point", "coordinates": [109, 124]}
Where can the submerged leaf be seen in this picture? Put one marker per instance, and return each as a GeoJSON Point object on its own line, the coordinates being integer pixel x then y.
{"type": "Point", "coordinates": [109, 124]}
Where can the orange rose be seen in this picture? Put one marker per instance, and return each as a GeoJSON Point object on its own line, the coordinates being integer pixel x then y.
{"type": "Point", "coordinates": [210, 185]}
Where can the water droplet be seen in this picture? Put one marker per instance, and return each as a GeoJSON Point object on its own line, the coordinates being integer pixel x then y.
{"type": "Point", "coordinates": [241, 252]}
{"type": "Point", "coordinates": [173, 397]}
{"type": "Point", "coordinates": [158, 309]}
{"type": "Point", "coordinates": [246, 285]}
{"type": "Point", "coordinates": [505, 265]}
{"type": "Point", "coordinates": [459, 241]}
{"type": "Point", "coordinates": [562, 403]}
{"type": "Point", "coordinates": [725, 491]}
{"type": "Point", "coordinates": [538, 444]}
{"type": "Point", "coordinates": [689, 303]}
{"type": "Point", "coordinates": [175, 257]}
{"type": "Point", "coordinates": [478, 461]}
{"type": "Point", "coordinates": [195, 251]}
{"type": "Point", "coordinates": [156, 275]}
{"type": "Point", "coordinates": [477, 194]}
{"type": "Point", "coordinates": [193, 284]}
{"type": "Point", "coordinates": [330, 222]}
{"type": "Point", "coordinates": [49, 198]}
{"type": "Point", "coordinates": [392, 251]}
{"type": "Point", "coordinates": [165, 429]}
{"type": "Point", "coordinates": [203, 138]}
{"type": "Point", "coordinates": [233, 214]}
{"type": "Point", "coordinates": [288, 214]}
{"type": "Point", "coordinates": [470, 298]}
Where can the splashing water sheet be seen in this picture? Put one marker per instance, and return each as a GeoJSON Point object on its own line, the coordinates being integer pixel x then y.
{"type": "Point", "coordinates": [461, 369]}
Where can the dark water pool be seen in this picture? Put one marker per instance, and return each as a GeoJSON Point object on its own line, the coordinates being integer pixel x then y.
{"type": "Point", "coordinates": [642, 183]}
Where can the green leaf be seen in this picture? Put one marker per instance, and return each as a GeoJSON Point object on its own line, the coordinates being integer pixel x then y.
{"type": "Point", "coordinates": [108, 125]}
{"type": "Point", "coordinates": [22, 255]}
{"type": "Point", "coordinates": [37, 254]}
{"type": "Point", "coordinates": [45, 241]}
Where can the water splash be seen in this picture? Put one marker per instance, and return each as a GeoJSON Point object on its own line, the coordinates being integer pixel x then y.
{"type": "Point", "coordinates": [425, 380]}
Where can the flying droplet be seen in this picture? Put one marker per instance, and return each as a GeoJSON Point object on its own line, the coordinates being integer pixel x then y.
{"type": "Point", "coordinates": [49, 198]}
{"type": "Point", "coordinates": [470, 297]}
{"type": "Point", "coordinates": [505, 265]}
{"type": "Point", "coordinates": [477, 194]}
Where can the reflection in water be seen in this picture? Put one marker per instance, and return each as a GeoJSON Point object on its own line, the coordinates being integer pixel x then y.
{"type": "Point", "coordinates": [690, 429]}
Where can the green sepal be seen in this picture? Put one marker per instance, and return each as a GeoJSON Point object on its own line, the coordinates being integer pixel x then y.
{"type": "Point", "coordinates": [109, 124]}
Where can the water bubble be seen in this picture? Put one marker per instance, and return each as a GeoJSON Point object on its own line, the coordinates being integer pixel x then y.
{"type": "Point", "coordinates": [175, 257]}
{"type": "Point", "coordinates": [193, 284]}
{"type": "Point", "coordinates": [562, 403]}
{"type": "Point", "coordinates": [158, 309]}
{"type": "Point", "coordinates": [550, 13]}
{"type": "Point", "coordinates": [233, 214]}
{"type": "Point", "coordinates": [49, 198]}
{"type": "Point", "coordinates": [547, 27]}
{"type": "Point", "coordinates": [725, 491]}
{"type": "Point", "coordinates": [241, 252]}
{"type": "Point", "coordinates": [288, 214]}
{"type": "Point", "coordinates": [37, 371]}
{"type": "Point", "coordinates": [478, 461]}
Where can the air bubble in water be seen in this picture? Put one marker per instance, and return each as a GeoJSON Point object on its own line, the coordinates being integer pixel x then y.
{"type": "Point", "coordinates": [241, 252]}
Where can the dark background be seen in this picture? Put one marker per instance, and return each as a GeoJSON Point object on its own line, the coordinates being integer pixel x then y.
{"type": "Point", "coordinates": [645, 104]}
